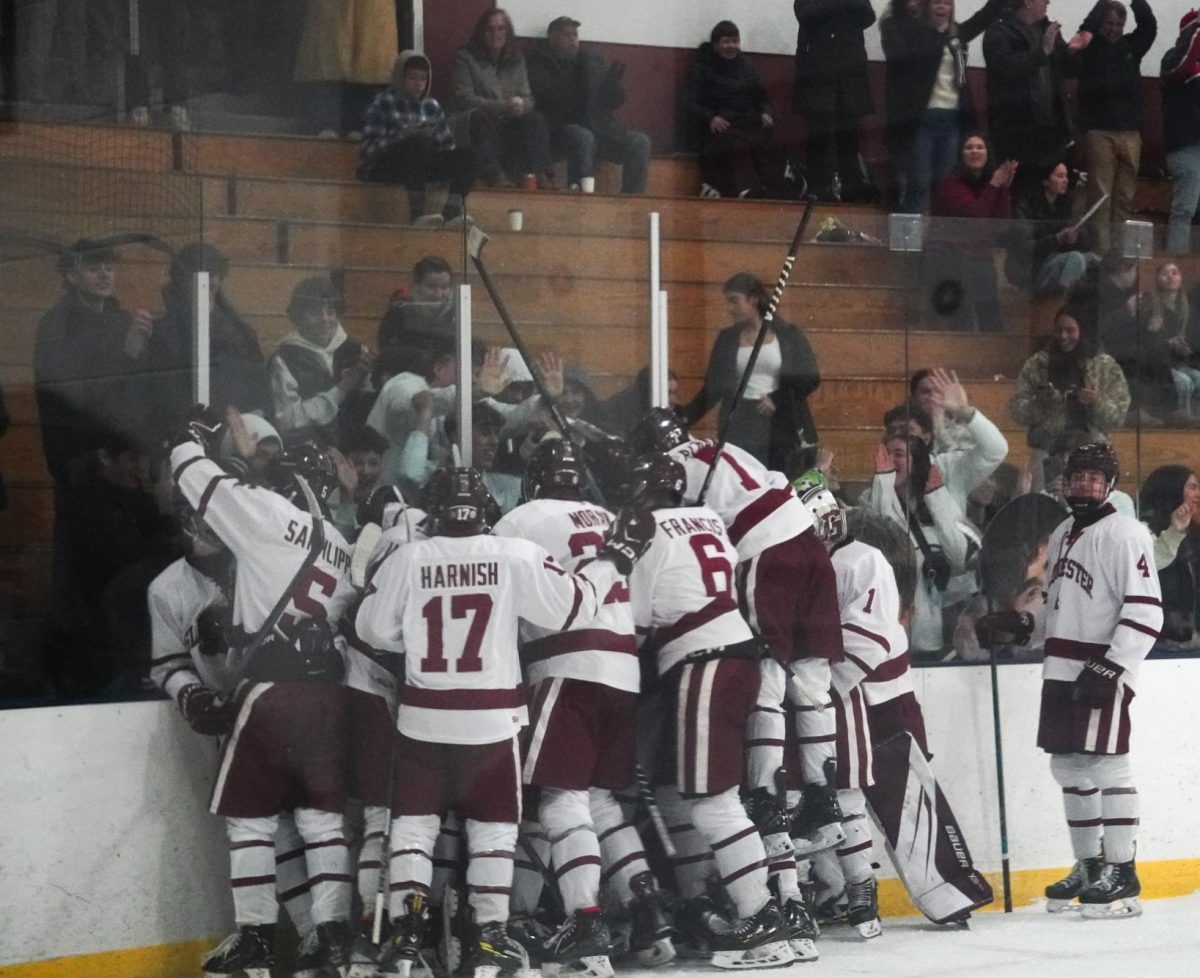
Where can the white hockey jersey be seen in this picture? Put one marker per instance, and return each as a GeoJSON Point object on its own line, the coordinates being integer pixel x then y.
{"type": "Point", "coordinates": [270, 539]}
{"type": "Point", "coordinates": [682, 589]}
{"type": "Point", "coordinates": [451, 606]}
{"type": "Point", "coordinates": [759, 506]}
{"type": "Point", "coordinates": [176, 598]}
{"type": "Point", "coordinates": [869, 605]}
{"type": "Point", "coordinates": [1103, 597]}
{"type": "Point", "coordinates": [603, 652]}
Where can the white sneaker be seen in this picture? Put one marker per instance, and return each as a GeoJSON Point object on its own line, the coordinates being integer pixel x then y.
{"type": "Point", "coordinates": [708, 190]}
{"type": "Point", "coordinates": [432, 221]}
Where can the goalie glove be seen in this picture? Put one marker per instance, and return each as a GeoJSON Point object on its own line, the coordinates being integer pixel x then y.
{"type": "Point", "coordinates": [203, 426]}
{"type": "Point", "coordinates": [1097, 685]}
{"type": "Point", "coordinates": [204, 712]}
{"type": "Point", "coordinates": [1004, 628]}
{"type": "Point", "coordinates": [628, 538]}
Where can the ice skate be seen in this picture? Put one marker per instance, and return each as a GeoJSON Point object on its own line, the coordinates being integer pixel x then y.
{"type": "Point", "coordinates": [694, 923]}
{"type": "Point", "coordinates": [862, 908]}
{"type": "Point", "coordinates": [768, 812]}
{"type": "Point", "coordinates": [1061, 896]}
{"type": "Point", "coordinates": [829, 906]}
{"type": "Point", "coordinates": [310, 958]}
{"type": "Point", "coordinates": [251, 950]}
{"type": "Point", "coordinates": [364, 952]}
{"type": "Point", "coordinates": [528, 931]}
{"type": "Point", "coordinates": [333, 942]}
{"type": "Point", "coordinates": [580, 947]}
{"type": "Point", "coordinates": [650, 931]}
{"type": "Point", "coordinates": [1114, 894]}
{"type": "Point", "coordinates": [757, 941]}
{"type": "Point", "coordinates": [817, 824]}
{"type": "Point", "coordinates": [494, 953]}
{"type": "Point", "coordinates": [408, 935]}
{"type": "Point", "coordinates": [801, 929]}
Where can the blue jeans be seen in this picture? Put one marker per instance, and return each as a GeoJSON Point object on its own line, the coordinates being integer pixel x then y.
{"type": "Point", "coordinates": [632, 151]}
{"type": "Point", "coordinates": [934, 152]}
{"type": "Point", "coordinates": [1184, 166]}
{"type": "Point", "coordinates": [1060, 271]}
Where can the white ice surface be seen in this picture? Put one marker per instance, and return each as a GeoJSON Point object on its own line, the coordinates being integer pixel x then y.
{"type": "Point", "coordinates": [1163, 943]}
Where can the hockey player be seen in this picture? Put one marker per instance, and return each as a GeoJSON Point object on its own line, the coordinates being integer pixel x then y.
{"type": "Point", "coordinates": [708, 661]}
{"type": "Point", "coordinates": [583, 716]}
{"type": "Point", "coordinates": [1104, 612]}
{"type": "Point", "coordinates": [287, 747]}
{"type": "Point", "coordinates": [450, 605]}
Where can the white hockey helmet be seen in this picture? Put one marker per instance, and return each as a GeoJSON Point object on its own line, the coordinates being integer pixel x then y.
{"type": "Point", "coordinates": [826, 510]}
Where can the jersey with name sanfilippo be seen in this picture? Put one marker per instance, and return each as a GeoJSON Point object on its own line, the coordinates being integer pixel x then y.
{"type": "Point", "coordinates": [682, 589]}
{"type": "Point", "coordinates": [605, 651]}
{"type": "Point", "coordinates": [270, 538]}
{"type": "Point", "coordinates": [176, 598]}
{"type": "Point", "coordinates": [451, 606]}
{"type": "Point", "coordinates": [1102, 596]}
{"type": "Point", "coordinates": [758, 505]}
{"type": "Point", "coordinates": [869, 605]}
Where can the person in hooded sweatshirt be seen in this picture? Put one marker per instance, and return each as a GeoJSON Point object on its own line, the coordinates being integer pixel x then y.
{"type": "Point", "coordinates": [318, 374]}
{"type": "Point", "coordinates": [407, 140]}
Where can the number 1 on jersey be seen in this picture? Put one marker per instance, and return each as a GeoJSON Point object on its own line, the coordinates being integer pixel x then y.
{"type": "Point", "coordinates": [479, 608]}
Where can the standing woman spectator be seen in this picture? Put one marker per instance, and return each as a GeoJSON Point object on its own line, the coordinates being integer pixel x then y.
{"type": "Point", "coordinates": [1110, 108]}
{"type": "Point", "coordinates": [1181, 130]}
{"type": "Point", "coordinates": [831, 90]}
{"type": "Point", "coordinates": [775, 420]}
{"type": "Point", "coordinates": [1169, 500]}
{"type": "Point", "coordinates": [1048, 255]}
{"type": "Point", "coordinates": [960, 258]}
{"type": "Point", "coordinates": [928, 102]}
{"type": "Point", "coordinates": [1170, 306]}
{"type": "Point", "coordinates": [492, 108]}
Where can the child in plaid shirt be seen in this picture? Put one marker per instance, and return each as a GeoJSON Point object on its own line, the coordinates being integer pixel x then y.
{"type": "Point", "coordinates": [406, 140]}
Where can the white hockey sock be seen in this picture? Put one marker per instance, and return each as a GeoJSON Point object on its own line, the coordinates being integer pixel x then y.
{"type": "Point", "coordinates": [622, 855]}
{"type": "Point", "coordinates": [447, 856]}
{"type": "Point", "coordinates": [410, 862]}
{"type": "Point", "coordinates": [252, 869]}
{"type": "Point", "coordinates": [567, 819]}
{"type": "Point", "coordinates": [528, 882]}
{"type": "Point", "coordinates": [1081, 804]}
{"type": "Point", "coordinates": [816, 720]}
{"type": "Point", "coordinates": [490, 846]}
{"type": "Point", "coordinates": [693, 860]}
{"type": "Point", "coordinates": [827, 874]}
{"type": "Point", "coordinates": [765, 727]}
{"type": "Point", "coordinates": [854, 854]}
{"type": "Point", "coordinates": [291, 875]}
{"type": "Point", "coordinates": [328, 861]}
{"type": "Point", "coordinates": [370, 856]}
{"type": "Point", "coordinates": [1119, 809]}
{"type": "Point", "coordinates": [781, 864]}
{"type": "Point", "coordinates": [737, 848]}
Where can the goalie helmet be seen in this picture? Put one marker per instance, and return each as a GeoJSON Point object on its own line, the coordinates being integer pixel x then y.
{"type": "Point", "coordinates": [828, 513]}
{"type": "Point", "coordinates": [1093, 457]}
{"type": "Point", "coordinates": [312, 464]}
{"type": "Point", "coordinates": [657, 481]}
{"type": "Point", "coordinates": [658, 430]}
{"type": "Point", "coordinates": [459, 503]}
{"type": "Point", "coordinates": [556, 464]}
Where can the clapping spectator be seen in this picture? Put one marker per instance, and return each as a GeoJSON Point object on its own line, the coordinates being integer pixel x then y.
{"type": "Point", "coordinates": [578, 93]}
{"type": "Point", "coordinates": [418, 321]}
{"type": "Point", "coordinates": [729, 105]}
{"type": "Point", "coordinates": [493, 108]}
{"type": "Point", "coordinates": [1110, 108]}
{"type": "Point", "coordinates": [1181, 130]}
{"type": "Point", "coordinates": [1167, 504]}
{"type": "Point", "coordinates": [407, 141]}
{"type": "Point", "coordinates": [1169, 305]}
{"type": "Point", "coordinates": [1049, 254]}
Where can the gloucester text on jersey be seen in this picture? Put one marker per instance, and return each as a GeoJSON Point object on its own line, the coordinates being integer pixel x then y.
{"type": "Point", "coordinates": [483, 573]}
{"type": "Point", "coordinates": [1072, 570]}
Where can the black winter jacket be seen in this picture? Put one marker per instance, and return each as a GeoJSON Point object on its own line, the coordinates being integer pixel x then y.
{"type": "Point", "coordinates": [1110, 76]}
{"type": "Point", "coordinates": [1015, 61]}
{"type": "Point", "coordinates": [831, 56]}
{"type": "Point", "coordinates": [583, 92]}
{"type": "Point", "coordinates": [729, 88]}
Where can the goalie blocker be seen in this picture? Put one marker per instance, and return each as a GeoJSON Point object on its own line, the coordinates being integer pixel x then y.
{"type": "Point", "coordinates": [936, 869]}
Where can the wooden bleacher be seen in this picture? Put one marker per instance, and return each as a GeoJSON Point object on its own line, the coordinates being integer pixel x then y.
{"type": "Point", "coordinates": [283, 208]}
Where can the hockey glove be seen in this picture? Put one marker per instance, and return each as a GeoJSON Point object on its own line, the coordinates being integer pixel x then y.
{"type": "Point", "coordinates": [204, 712]}
{"type": "Point", "coordinates": [1004, 628]}
{"type": "Point", "coordinates": [1097, 685]}
{"type": "Point", "coordinates": [203, 426]}
{"type": "Point", "coordinates": [629, 536]}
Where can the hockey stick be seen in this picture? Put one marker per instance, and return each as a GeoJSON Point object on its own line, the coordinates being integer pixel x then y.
{"type": "Point", "coordinates": [544, 871]}
{"type": "Point", "coordinates": [768, 318]}
{"type": "Point", "coordinates": [1001, 803]}
{"type": "Point", "coordinates": [646, 793]}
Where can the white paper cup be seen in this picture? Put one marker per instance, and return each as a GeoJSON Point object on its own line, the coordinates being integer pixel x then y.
{"type": "Point", "coordinates": [587, 184]}
{"type": "Point", "coordinates": [516, 220]}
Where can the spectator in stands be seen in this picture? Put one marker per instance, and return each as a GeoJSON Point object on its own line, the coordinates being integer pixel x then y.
{"type": "Point", "coordinates": [493, 109]}
{"type": "Point", "coordinates": [318, 373]}
{"type": "Point", "coordinates": [1048, 254]}
{"type": "Point", "coordinates": [407, 141]}
{"type": "Point", "coordinates": [1167, 504]}
{"type": "Point", "coordinates": [174, 35]}
{"type": "Point", "coordinates": [1110, 108]}
{"type": "Point", "coordinates": [623, 410]}
{"type": "Point", "coordinates": [1069, 388]}
{"type": "Point", "coordinates": [237, 372]}
{"type": "Point", "coordinates": [928, 101]}
{"type": "Point", "coordinates": [1171, 305]}
{"type": "Point", "coordinates": [1181, 130]}
{"type": "Point", "coordinates": [4, 422]}
{"type": "Point", "coordinates": [418, 320]}
{"type": "Point", "coordinates": [832, 93]}
{"type": "Point", "coordinates": [774, 420]}
{"type": "Point", "coordinates": [89, 362]}
{"type": "Point", "coordinates": [1026, 61]}
{"type": "Point", "coordinates": [346, 52]}
{"type": "Point", "coordinates": [728, 103]}
{"type": "Point", "coordinates": [578, 93]}
{"type": "Point", "coordinates": [959, 265]}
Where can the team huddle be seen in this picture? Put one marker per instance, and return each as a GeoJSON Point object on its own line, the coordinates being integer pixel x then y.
{"type": "Point", "coordinates": [579, 736]}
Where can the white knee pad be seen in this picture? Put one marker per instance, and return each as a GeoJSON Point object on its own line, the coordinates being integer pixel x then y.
{"type": "Point", "coordinates": [562, 811]}
{"type": "Point", "coordinates": [491, 836]}
{"type": "Point", "coordinates": [1108, 770]}
{"type": "Point", "coordinates": [810, 681]}
{"type": "Point", "coordinates": [315, 825]}
{"type": "Point", "coordinates": [1071, 771]}
{"type": "Point", "coordinates": [252, 829]}
{"type": "Point", "coordinates": [772, 683]}
{"type": "Point", "coordinates": [415, 832]}
{"type": "Point", "coordinates": [852, 801]}
{"type": "Point", "coordinates": [606, 810]}
{"type": "Point", "coordinates": [711, 815]}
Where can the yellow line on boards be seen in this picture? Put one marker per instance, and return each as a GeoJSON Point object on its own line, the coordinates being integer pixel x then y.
{"type": "Point", "coordinates": [159, 961]}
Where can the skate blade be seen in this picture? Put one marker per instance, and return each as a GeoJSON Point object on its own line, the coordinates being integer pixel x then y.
{"type": "Point", "coordinates": [659, 953]}
{"type": "Point", "coordinates": [1129, 907]}
{"type": "Point", "coordinates": [777, 954]}
{"type": "Point", "coordinates": [589, 966]}
{"type": "Point", "coordinates": [1062, 906]}
{"type": "Point", "coordinates": [869, 929]}
{"type": "Point", "coordinates": [248, 972]}
{"type": "Point", "coordinates": [804, 949]}
{"type": "Point", "coordinates": [826, 837]}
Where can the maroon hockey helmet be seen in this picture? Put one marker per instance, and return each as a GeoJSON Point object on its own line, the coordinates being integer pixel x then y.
{"type": "Point", "coordinates": [1092, 457]}
{"type": "Point", "coordinates": [556, 464]}
{"type": "Point", "coordinates": [656, 481]}
{"type": "Point", "coordinates": [313, 464]}
{"type": "Point", "coordinates": [459, 503]}
{"type": "Point", "coordinates": [658, 430]}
